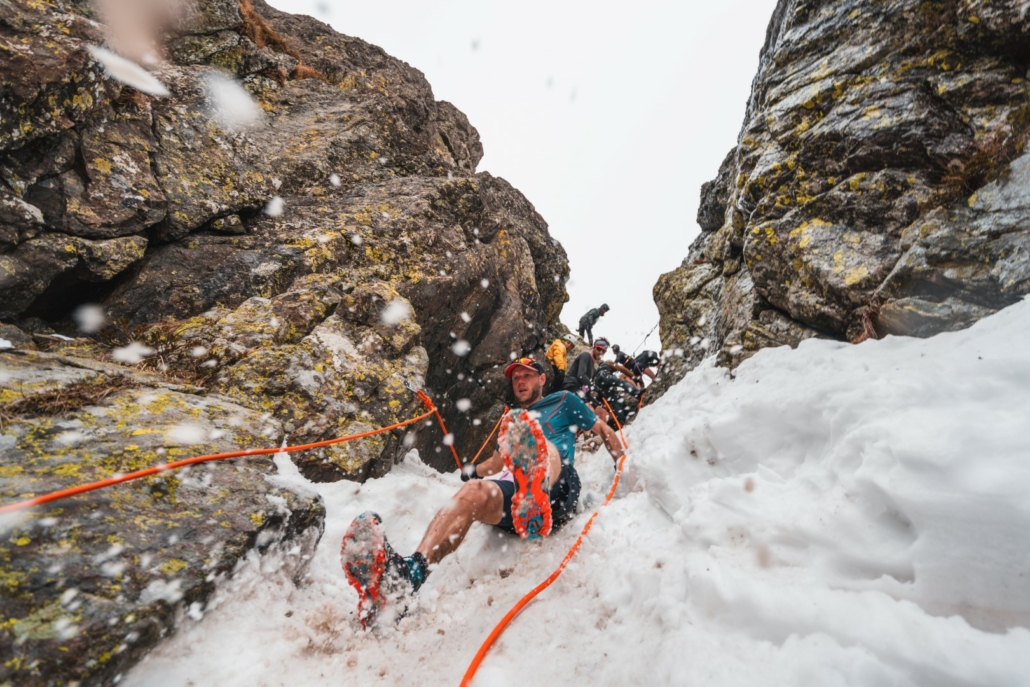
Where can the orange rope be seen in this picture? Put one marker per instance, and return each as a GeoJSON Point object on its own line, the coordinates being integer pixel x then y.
{"type": "Point", "coordinates": [621, 435]}
{"type": "Point", "coordinates": [73, 491]}
{"type": "Point", "coordinates": [439, 418]}
{"type": "Point", "coordinates": [517, 608]}
{"type": "Point", "coordinates": [488, 436]}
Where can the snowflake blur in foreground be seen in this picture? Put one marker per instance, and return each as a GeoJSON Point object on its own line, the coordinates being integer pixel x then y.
{"type": "Point", "coordinates": [461, 348]}
{"type": "Point", "coordinates": [395, 312]}
{"type": "Point", "coordinates": [275, 207]}
{"type": "Point", "coordinates": [127, 72]}
{"type": "Point", "coordinates": [231, 107]}
{"type": "Point", "coordinates": [132, 354]}
{"type": "Point", "coordinates": [89, 317]}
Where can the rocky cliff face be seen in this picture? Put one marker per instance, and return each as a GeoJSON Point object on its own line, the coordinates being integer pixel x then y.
{"type": "Point", "coordinates": [90, 584]}
{"type": "Point", "coordinates": [149, 207]}
{"type": "Point", "coordinates": [392, 264]}
{"type": "Point", "coordinates": [879, 184]}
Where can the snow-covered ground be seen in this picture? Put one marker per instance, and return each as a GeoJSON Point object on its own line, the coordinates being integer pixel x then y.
{"type": "Point", "coordinates": [834, 515]}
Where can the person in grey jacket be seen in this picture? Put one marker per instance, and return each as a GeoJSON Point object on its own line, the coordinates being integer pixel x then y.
{"type": "Point", "coordinates": [580, 377]}
{"type": "Point", "coordinates": [587, 322]}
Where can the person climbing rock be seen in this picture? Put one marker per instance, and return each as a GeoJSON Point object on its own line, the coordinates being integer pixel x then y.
{"type": "Point", "coordinates": [639, 366]}
{"type": "Point", "coordinates": [622, 396]}
{"type": "Point", "coordinates": [633, 374]}
{"type": "Point", "coordinates": [535, 492]}
{"type": "Point", "coordinates": [646, 360]}
{"type": "Point", "coordinates": [580, 376]}
{"type": "Point", "coordinates": [558, 354]}
{"type": "Point", "coordinates": [587, 322]}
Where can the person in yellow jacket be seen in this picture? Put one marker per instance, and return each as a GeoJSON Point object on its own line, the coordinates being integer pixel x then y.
{"type": "Point", "coordinates": [558, 354]}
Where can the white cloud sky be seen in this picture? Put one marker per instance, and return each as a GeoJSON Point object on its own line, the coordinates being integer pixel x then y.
{"type": "Point", "coordinates": [607, 116]}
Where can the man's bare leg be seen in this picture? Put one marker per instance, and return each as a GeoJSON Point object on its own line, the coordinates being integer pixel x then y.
{"type": "Point", "coordinates": [553, 463]}
{"type": "Point", "coordinates": [476, 501]}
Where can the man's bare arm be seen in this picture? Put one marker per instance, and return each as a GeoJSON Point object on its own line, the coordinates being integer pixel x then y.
{"type": "Point", "coordinates": [611, 439]}
{"type": "Point", "coordinates": [632, 382]}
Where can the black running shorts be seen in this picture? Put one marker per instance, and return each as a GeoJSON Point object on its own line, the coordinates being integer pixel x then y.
{"type": "Point", "coordinates": [564, 497]}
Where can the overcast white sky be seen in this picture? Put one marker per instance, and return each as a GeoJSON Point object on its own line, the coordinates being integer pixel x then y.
{"type": "Point", "coordinates": [607, 116]}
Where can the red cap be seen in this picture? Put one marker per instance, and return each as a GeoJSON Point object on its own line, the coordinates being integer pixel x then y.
{"type": "Point", "coordinates": [527, 363]}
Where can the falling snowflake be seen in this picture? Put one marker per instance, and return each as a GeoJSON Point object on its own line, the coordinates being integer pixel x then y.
{"type": "Point", "coordinates": [231, 106]}
{"type": "Point", "coordinates": [461, 348]}
{"type": "Point", "coordinates": [132, 354]}
{"type": "Point", "coordinates": [395, 312]}
{"type": "Point", "coordinates": [89, 317]}
{"type": "Point", "coordinates": [128, 72]}
{"type": "Point", "coordinates": [463, 405]}
{"type": "Point", "coordinates": [275, 207]}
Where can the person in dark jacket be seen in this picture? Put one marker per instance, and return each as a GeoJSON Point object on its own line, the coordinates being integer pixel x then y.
{"type": "Point", "coordinates": [646, 360]}
{"type": "Point", "coordinates": [622, 396]}
{"type": "Point", "coordinates": [579, 378]}
{"type": "Point", "coordinates": [633, 374]}
{"type": "Point", "coordinates": [639, 366]}
{"type": "Point", "coordinates": [587, 322]}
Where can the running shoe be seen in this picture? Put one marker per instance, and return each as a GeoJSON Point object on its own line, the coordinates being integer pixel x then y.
{"type": "Point", "coordinates": [381, 576]}
{"type": "Point", "coordinates": [524, 451]}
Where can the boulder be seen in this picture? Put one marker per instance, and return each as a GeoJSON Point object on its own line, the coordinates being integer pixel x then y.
{"type": "Point", "coordinates": [154, 207]}
{"type": "Point", "coordinates": [873, 187]}
{"type": "Point", "coordinates": [91, 583]}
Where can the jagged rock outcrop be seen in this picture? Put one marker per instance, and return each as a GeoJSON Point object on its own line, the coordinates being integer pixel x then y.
{"type": "Point", "coordinates": [878, 186]}
{"type": "Point", "coordinates": [150, 207]}
{"type": "Point", "coordinates": [90, 584]}
{"type": "Point", "coordinates": [292, 279]}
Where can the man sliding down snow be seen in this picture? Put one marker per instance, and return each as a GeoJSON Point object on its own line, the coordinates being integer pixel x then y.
{"type": "Point", "coordinates": [536, 492]}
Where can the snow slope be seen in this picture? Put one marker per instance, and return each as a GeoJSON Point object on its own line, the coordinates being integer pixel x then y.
{"type": "Point", "coordinates": [834, 515]}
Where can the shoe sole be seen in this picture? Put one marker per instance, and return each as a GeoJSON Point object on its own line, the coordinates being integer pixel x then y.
{"type": "Point", "coordinates": [363, 554]}
{"type": "Point", "coordinates": [524, 451]}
